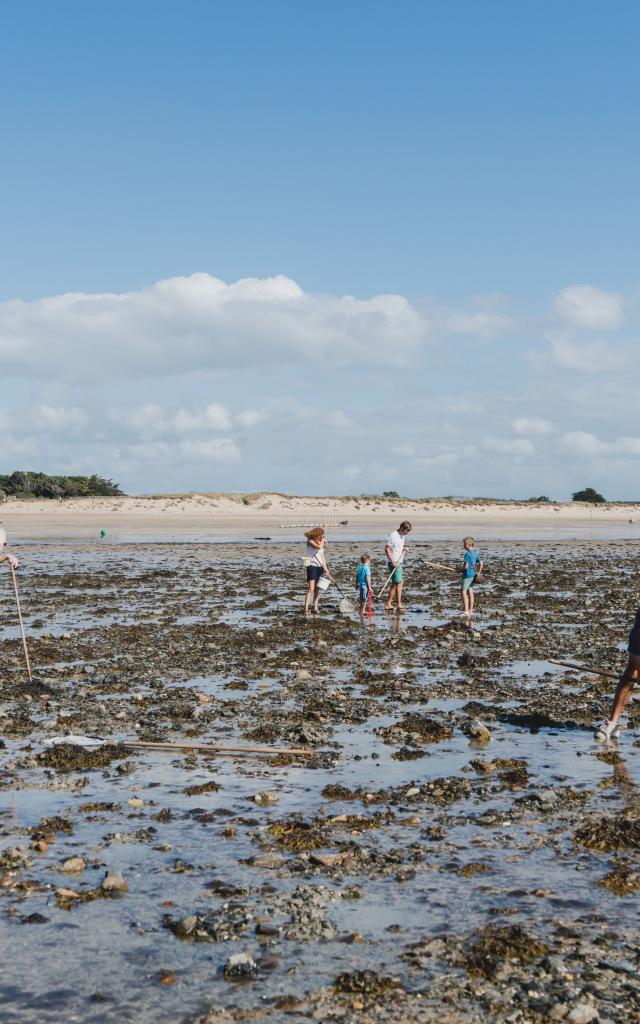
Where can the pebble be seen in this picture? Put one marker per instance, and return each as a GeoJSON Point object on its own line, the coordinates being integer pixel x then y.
{"type": "Point", "coordinates": [73, 865]}
{"type": "Point", "coordinates": [412, 791]}
{"type": "Point", "coordinates": [302, 674]}
{"type": "Point", "coordinates": [114, 882]}
{"type": "Point", "coordinates": [479, 731]}
{"type": "Point", "coordinates": [265, 798]}
{"type": "Point", "coordinates": [582, 1013]}
{"type": "Point", "coordinates": [240, 966]}
{"type": "Point", "coordinates": [135, 801]}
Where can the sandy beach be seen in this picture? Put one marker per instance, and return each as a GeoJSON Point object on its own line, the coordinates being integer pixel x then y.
{"type": "Point", "coordinates": [279, 516]}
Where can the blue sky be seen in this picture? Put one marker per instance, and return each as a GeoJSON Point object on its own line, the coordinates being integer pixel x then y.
{"type": "Point", "coordinates": [478, 161]}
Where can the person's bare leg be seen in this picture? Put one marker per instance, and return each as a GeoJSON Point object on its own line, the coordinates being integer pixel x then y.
{"type": "Point", "coordinates": [392, 594]}
{"type": "Point", "coordinates": [465, 602]}
{"type": "Point", "coordinates": [399, 593]}
{"type": "Point", "coordinates": [471, 600]}
{"type": "Point", "coordinates": [630, 676]}
{"type": "Point", "coordinates": [309, 595]}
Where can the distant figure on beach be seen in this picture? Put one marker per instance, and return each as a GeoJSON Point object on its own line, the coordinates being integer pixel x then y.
{"type": "Point", "coordinates": [472, 566]}
{"type": "Point", "coordinates": [363, 581]}
{"type": "Point", "coordinates": [609, 728]}
{"type": "Point", "coordinates": [11, 559]}
{"type": "Point", "coordinates": [316, 567]}
{"type": "Point", "coordinates": [395, 551]}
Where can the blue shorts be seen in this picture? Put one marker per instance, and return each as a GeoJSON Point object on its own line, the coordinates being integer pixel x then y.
{"type": "Point", "coordinates": [314, 572]}
{"type": "Point", "coordinates": [397, 575]}
{"type": "Point", "coordinates": [467, 582]}
{"type": "Point", "coordinates": [363, 592]}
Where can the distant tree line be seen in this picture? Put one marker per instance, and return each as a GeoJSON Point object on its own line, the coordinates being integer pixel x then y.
{"type": "Point", "coordinates": [22, 484]}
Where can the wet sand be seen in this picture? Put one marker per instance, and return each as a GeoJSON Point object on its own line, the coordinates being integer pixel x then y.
{"type": "Point", "coordinates": [413, 869]}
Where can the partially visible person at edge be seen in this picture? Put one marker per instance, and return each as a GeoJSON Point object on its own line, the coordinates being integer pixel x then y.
{"type": "Point", "coordinates": [11, 559]}
{"type": "Point", "coordinates": [316, 567]}
{"type": "Point", "coordinates": [471, 567]}
{"type": "Point", "coordinates": [395, 551]}
{"type": "Point", "coordinates": [609, 728]}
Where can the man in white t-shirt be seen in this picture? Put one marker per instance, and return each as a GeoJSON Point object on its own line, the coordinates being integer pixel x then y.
{"type": "Point", "coordinates": [395, 551]}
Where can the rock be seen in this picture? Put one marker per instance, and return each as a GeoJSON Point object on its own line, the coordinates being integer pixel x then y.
{"type": "Point", "coordinates": [328, 860]}
{"type": "Point", "coordinates": [478, 731]}
{"type": "Point", "coordinates": [240, 967]}
{"type": "Point", "coordinates": [302, 674]}
{"type": "Point", "coordinates": [186, 926]}
{"type": "Point", "coordinates": [114, 882]}
{"type": "Point", "coordinates": [204, 698]}
{"type": "Point", "coordinates": [267, 860]}
{"type": "Point", "coordinates": [582, 1013]}
{"type": "Point", "coordinates": [41, 846]}
{"type": "Point", "coordinates": [265, 798]}
{"type": "Point", "coordinates": [73, 865]}
{"type": "Point", "coordinates": [135, 801]}
{"type": "Point", "coordinates": [412, 791]}
{"type": "Point", "coordinates": [558, 1011]}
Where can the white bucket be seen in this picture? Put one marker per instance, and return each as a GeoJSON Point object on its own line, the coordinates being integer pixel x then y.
{"type": "Point", "coordinates": [324, 583]}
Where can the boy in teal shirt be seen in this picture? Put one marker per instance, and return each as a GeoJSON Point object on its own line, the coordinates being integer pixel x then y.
{"type": "Point", "coordinates": [472, 566]}
{"type": "Point", "coordinates": [363, 581]}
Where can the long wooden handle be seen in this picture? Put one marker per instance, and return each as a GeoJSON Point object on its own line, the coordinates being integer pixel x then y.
{"type": "Point", "coordinates": [381, 592]}
{"type": "Point", "coordinates": [585, 668]}
{"type": "Point", "coordinates": [216, 748]}
{"type": "Point", "coordinates": [438, 565]}
{"type": "Point", "coordinates": [24, 639]}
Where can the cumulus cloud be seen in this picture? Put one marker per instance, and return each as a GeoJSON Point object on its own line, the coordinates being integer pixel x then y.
{"type": "Point", "coordinates": [476, 323]}
{"type": "Point", "coordinates": [249, 418]}
{"type": "Point", "coordinates": [508, 446]}
{"type": "Point", "coordinates": [585, 357]}
{"type": "Point", "coordinates": [585, 306]}
{"type": "Point", "coordinates": [212, 417]}
{"type": "Point", "coordinates": [60, 419]}
{"type": "Point", "coordinates": [200, 322]}
{"type": "Point", "coordinates": [588, 446]}
{"type": "Point", "coordinates": [532, 425]}
{"type": "Point", "coordinates": [339, 420]}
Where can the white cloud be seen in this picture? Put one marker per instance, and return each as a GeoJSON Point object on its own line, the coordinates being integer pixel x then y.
{"type": "Point", "coordinates": [592, 357]}
{"type": "Point", "coordinates": [339, 419]}
{"type": "Point", "coordinates": [585, 306]}
{"type": "Point", "coordinates": [588, 446]}
{"type": "Point", "coordinates": [405, 451]}
{"type": "Point", "coordinates": [532, 425]}
{"type": "Point", "coordinates": [508, 446]}
{"type": "Point", "coordinates": [212, 417]}
{"type": "Point", "coordinates": [60, 419]}
{"type": "Point", "coordinates": [249, 418]}
{"type": "Point", "coordinates": [476, 324]}
{"type": "Point", "coordinates": [200, 322]}
{"type": "Point", "coordinates": [219, 449]}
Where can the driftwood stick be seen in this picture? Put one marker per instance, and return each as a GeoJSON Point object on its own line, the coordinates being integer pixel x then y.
{"type": "Point", "coordinates": [585, 668]}
{"type": "Point", "coordinates": [217, 748]}
{"type": "Point", "coordinates": [24, 638]}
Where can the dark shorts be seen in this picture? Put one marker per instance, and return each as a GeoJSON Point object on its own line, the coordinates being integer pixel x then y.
{"type": "Point", "coordinates": [363, 592]}
{"type": "Point", "coordinates": [634, 641]}
{"type": "Point", "coordinates": [314, 572]}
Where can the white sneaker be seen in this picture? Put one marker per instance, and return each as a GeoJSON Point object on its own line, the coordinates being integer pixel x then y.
{"type": "Point", "coordinates": [607, 730]}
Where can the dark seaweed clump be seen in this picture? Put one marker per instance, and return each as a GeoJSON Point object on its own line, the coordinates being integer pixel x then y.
{"type": "Point", "coordinates": [488, 950]}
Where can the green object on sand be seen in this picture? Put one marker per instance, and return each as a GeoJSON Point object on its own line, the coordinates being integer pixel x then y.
{"type": "Point", "coordinates": [103, 533]}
